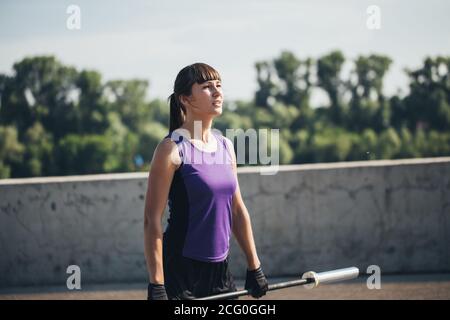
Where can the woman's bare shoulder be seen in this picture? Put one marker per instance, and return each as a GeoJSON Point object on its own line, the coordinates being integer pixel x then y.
{"type": "Point", "coordinates": [166, 152]}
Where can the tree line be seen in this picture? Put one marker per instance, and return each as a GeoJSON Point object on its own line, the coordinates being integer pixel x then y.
{"type": "Point", "coordinates": [57, 120]}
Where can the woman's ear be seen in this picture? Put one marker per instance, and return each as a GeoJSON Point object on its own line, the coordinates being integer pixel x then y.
{"type": "Point", "coordinates": [184, 100]}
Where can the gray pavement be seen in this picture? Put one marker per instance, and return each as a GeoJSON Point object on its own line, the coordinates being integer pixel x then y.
{"type": "Point", "coordinates": [421, 286]}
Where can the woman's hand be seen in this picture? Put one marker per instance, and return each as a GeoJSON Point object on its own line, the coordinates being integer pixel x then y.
{"type": "Point", "coordinates": [156, 292]}
{"type": "Point", "coordinates": [256, 283]}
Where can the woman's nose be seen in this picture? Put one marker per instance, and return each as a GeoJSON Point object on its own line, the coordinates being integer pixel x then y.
{"type": "Point", "coordinates": [217, 91]}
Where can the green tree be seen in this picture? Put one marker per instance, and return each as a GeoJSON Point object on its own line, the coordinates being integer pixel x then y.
{"type": "Point", "coordinates": [38, 92]}
{"type": "Point", "coordinates": [283, 116]}
{"type": "Point", "coordinates": [285, 79]}
{"type": "Point", "coordinates": [267, 87]}
{"type": "Point", "coordinates": [124, 143]}
{"type": "Point", "coordinates": [407, 148]}
{"type": "Point", "coordinates": [300, 142]}
{"type": "Point", "coordinates": [331, 144]}
{"type": "Point", "coordinates": [11, 151]}
{"type": "Point", "coordinates": [328, 77]}
{"type": "Point", "coordinates": [55, 119]}
{"type": "Point", "coordinates": [159, 112]}
{"type": "Point", "coordinates": [428, 103]}
{"type": "Point", "coordinates": [92, 109]}
{"type": "Point", "coordinates": [38, 157]}
{"type": "Point", "coordinates": [128, 99]}
{"type": "Point", "coordinates": [151, 135]}
{"type": "Point", "coordinates": [388, 144]}
{"type": "Point", "coordinates": [85, 154]}
{"type": "Point", "coordinates": [368, 107]}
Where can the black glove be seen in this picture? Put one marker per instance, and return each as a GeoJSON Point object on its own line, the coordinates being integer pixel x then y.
{"type": "Point", "coordinates": [256, 283]}
{"type": "Point", "coordinates": [156, 292]}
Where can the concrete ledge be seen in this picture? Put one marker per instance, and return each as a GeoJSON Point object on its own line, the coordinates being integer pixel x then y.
{"type": "Point", "coordinates": [248, 169]}
{"type": "Point", "coordinates": [391, 213]}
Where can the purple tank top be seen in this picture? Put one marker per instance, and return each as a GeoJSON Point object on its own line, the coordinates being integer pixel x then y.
{"type": "Point", "coordinates": [200, 201]}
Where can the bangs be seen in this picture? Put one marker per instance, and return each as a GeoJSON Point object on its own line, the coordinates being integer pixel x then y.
{"type": "Point", "coordinates": [203, 72]}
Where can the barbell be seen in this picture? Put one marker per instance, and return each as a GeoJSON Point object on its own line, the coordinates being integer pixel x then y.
{"type": "Point", "coordinates": [309, 279]}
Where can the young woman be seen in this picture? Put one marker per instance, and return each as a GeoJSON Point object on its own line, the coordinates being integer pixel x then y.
{"type": "Point", "coordinates": [190, 259]}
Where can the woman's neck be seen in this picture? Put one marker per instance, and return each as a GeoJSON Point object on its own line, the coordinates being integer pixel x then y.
{"type": "Point", "coordinates": [198, 129]}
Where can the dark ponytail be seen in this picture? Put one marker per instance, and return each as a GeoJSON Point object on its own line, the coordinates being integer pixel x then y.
{"type": "Point", "coordinates": [194, 73]}
{"type": "Point", "coordinates": [177, 112]}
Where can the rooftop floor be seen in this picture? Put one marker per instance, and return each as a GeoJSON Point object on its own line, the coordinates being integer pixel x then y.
{"type": "Point", "coordinates": [423, 286]}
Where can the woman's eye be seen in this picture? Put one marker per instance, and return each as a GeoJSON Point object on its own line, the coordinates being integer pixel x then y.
{"type": "Point", "coordinates": [210, 86]}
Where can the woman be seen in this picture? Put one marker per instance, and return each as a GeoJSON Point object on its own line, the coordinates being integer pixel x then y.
{"type": "Point", "coordinates": [190, 259]}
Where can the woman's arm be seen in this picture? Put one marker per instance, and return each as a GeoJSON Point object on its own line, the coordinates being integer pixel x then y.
{"type": "Point", "coordinates": [164, 163]}
{"type": "Point", "coordinates": [242, 228]}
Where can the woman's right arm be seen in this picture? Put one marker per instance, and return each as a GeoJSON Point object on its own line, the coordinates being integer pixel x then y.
{"type": "Point", "coordinates": [164, 163]}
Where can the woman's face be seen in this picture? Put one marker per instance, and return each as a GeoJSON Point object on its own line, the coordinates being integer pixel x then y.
{"type": "Point", "coordinates": [206, 98]}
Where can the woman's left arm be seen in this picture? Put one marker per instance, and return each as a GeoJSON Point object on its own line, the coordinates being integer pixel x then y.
{"type": "Point", "coordinates": [242, 230]}
{"type": "Point", "coordinates": [242, 227]}
{"type": "Point", "coordinates": [255, 280]}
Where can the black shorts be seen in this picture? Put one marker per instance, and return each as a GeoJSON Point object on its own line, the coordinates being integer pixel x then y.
{"type": "Point", "coordinates": [187, 279]}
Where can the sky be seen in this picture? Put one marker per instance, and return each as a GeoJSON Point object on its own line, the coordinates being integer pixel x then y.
{"type": "Point", "coordinates": [153, 40]}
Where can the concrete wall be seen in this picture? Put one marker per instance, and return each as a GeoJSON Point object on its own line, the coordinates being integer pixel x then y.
{"type": "Point", "coordinates": [395, 214]}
